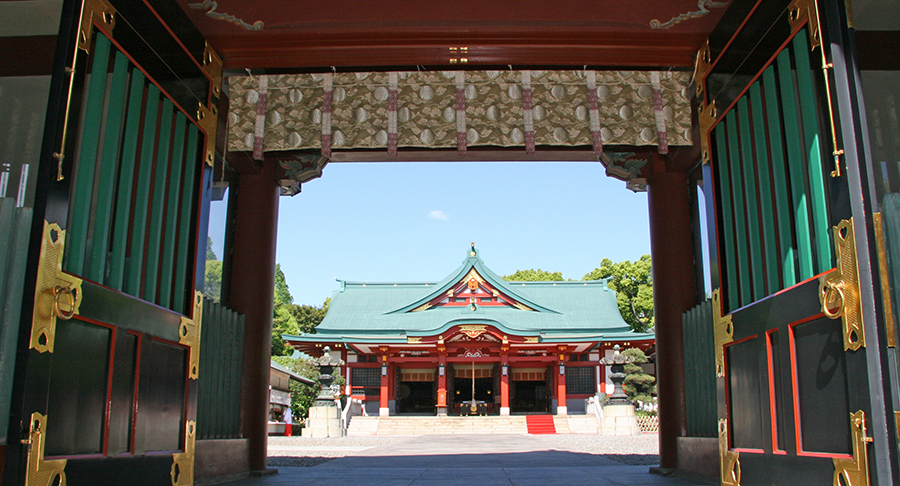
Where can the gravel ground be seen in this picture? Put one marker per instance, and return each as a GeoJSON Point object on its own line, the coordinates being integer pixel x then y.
{"type": "Point", "coordinates": [631, 450]}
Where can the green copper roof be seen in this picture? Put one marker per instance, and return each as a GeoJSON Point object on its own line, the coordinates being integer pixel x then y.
{"type": "Point", "coordinates": [561, 311]}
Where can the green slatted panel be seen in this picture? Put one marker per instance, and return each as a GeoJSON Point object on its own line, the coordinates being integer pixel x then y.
{"type": "Point", "coordinates": [219, 391]}
{"type": "Point", "coordinates": [821, 228]}
{"type": "Point", "coordinates": [109, 165]}
{"type": "Point", "coordinates": [160, 178]}
{"type": "Point", "coordinates": [134, 269]}
{"type": "Point", "coordinates": [77, 228]}
{"type": "Point", "coordinates": [757, 266]}
{"type": "Point", "coordinates": [700, 377]}
{"type": "Point", "coordinates": [173, 201]}
{"type": "Point", "coordinates": [130, 155]}
{"type": "Point", "coordinates": [770, 232]}
{"type": "Point", "coordinates": [741, 263]}
{"type": "Point", "coordinates": [727, 255]}
{"type": "Point", "coordinates": [779, 180]}
{"type": "Point", "coordinates": [795, 165]}
{"type": "Point", "coordinates": [183, 278]}
{"type": "Point", "coordinates": [15, 229]}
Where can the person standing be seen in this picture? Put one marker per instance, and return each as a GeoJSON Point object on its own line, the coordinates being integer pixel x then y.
{"type": "Point", "coordinates": [288, 422]}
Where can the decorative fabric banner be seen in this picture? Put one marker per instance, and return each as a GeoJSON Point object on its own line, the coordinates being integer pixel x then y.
{"type": "Point", "coordinates": [392, 114]}
{"type": "Point", "coordinates": [327, 100]}
{"type": "Point", "coordinates": [528, 112]}
{"type": "Point", "coordinates": [658, 109]}
{"type": "Point", "coordinates": [299, 114]}
{"type": "Point", "coordinates": [461, 146]}
{"type": "Point", "coordinates": [594, 109]}
{"type": "Point", "coordinates": [259, 130]}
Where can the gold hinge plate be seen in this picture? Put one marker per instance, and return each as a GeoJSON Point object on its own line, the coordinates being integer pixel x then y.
{"type": "Point", "coordinates": [706, 117]}
{"type": "Point", "coordinates": [800, 11]}
{"type": "Point", "coordinates": [887, 302]}
{"type": "Point", "coordinates": [41, 472]}
{"type": "Point", "coordinates": [702, 65]}
{"type": "Point", "coordinates": [56, 295]}
{"type": "Point", "coordinates": [724, 331]}
{"type": "Point", "coordinates": [839, 288]}
{"type": "Point", "coordinates": [182, 471]}
{"type": "Point", "coordinates": [99, 11]}
{"type": "Point", "coordinates": [212, 66]}
{"type": "Point", "coordinates": [729, 461]}
{"type": "Point", "coordinates": [189, 334]}
{"type": "Point", "coordinates": [855, 472]}
{"type": "Point", "coordinates": [207, 118]}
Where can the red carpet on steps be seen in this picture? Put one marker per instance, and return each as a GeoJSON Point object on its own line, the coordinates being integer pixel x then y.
{"type": "Point", "coordinates": [540, 424]}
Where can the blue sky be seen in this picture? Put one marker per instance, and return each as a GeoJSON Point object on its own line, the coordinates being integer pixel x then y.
{"type": "Point", "coordinates": [413, 222]}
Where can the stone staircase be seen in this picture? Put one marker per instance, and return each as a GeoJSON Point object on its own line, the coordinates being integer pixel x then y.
{"type": "Point", "coordinates": [512, 424]}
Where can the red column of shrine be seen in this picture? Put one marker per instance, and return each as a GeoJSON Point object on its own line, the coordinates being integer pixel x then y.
{"type": "Point", "coordinates": [561, 408]}
{"type": "Point", "coordinates": [504, 384]}
{"type": "Point", "coordinates": [671, 245]}
{"type": "Point", "coordinates": [383, 409]}
{"type": "Point", "coordinates": [442, 385]}
{"type": "Point", "coordinates": [252, 294]}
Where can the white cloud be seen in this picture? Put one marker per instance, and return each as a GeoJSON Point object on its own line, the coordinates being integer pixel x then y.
{"type": "Point", "coordinates": [438, 214]}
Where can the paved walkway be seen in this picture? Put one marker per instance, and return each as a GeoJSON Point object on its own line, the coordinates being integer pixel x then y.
{"type": "Point", "coordinates": [467, 460]}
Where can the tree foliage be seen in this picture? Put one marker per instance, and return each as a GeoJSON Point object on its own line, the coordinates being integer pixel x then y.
{"type": "Point", "coordinates": [290, 318]}
{"type": "Point", "coordinates": [633, 283]}
{"type": "Point", "coordinates": [638, 385]}
{"type": "Point", "coordinates": [212, 280]}
{"type": "Point", "coordinates": [532, 275]}
{"type": "Point", "coordinates": [210, 254]}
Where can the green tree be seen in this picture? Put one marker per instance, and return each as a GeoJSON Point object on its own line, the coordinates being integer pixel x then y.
{"type": "Point", "coordinates": [290, 318]}
{"type": "Point", "coordinates": [532, 275]}
{"type": "Point", "coordinates": [633, 283]}
{"type": "Point", "coordinates": [212, 281]}
{"type": "Point", "coordinates": [638, 385]}
{"type": "Point", "coordinates": [210, 254]}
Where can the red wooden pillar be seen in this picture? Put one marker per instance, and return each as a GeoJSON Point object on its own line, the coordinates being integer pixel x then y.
{"type": "Point", "coordinates": [442, 385]}
{"type": "Point", "coordinates": [504, 385]}
{"type": "Point", "coordinates": [383, 409]}
{"type": "Point", "coordinates": [252, 294]}
{"type": "Point", "coordinates": [561, 408]}
{"type": "Point", "coordinates": [671, 245]}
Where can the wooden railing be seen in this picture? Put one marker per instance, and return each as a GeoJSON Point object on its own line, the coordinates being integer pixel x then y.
{"type": "Point", "coordinates": [219, 394]}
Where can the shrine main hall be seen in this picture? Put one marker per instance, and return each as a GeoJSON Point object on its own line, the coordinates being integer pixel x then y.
{"type": "Point", "coordinates": [509, 347]}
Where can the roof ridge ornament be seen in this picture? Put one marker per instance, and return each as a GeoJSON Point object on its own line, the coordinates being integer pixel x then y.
{"type": "Point", "coordinates": [473, 252]}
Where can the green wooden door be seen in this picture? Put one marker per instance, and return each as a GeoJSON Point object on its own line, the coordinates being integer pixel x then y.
{"type": "Point", "coordinates": [800, 394]}
{"type": "Point", "coordinates": [107, 394]}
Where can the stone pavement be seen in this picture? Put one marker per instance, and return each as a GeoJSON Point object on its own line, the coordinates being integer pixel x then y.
{"type": "Point", "coordinates": [519, 460]}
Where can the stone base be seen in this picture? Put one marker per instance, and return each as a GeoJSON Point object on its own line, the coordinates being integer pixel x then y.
{"type": "Point", "coordinates": [442, 411]}
{"type": "Point", "coordinates": [619, 420]}
{"type": "Point", "coordinates": [504, 411]}
{"type": "Point", "coordinates": [324, 422]}
{"type": "Point", "coordinates": [562, 410]}
{"type": "Point", "coordinates": [384, 412]}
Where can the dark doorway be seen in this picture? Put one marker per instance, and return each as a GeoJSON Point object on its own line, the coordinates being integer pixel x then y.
{"type": "Point", "coordinates": [529, 397]}
{"type": "Point", "coordinates": [484, 392]}
{"type": "Point", "coordinates": [417, 397]}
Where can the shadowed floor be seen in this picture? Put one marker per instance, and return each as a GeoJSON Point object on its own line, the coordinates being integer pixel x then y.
{"type": "Point", "coordinates": [520, 460]}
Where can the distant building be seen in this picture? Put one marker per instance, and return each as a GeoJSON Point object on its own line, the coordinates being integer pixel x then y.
{"type": "Point", "coordinates": [280, 394]}
{"type": "Point", "coordinates": [511, 347]}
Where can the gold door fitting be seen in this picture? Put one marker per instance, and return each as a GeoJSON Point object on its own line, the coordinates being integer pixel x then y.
{"type": "Point", "coordinates": [855, 472]}
{"type": "Point", "coordinates": [39, 471]}
{"type": "Point", "coordinates": [182, 471]}
{"type": "Point", "coordinates": [207, 119]}
{"type": "Point", "coordinates": [729, 461]}
{"type": "Point", "coordinates": [212, 66]}
{"type": "Point", "coordinates": [707, 118]}
{"type": "Point", "coordinates": [724, 331]}
{"type": "Point", "coordinates": [189, 334]}
{"type": "Point", "coordinates": [884, 274]}
{"type": "Point", "coordinates": [57, 294]}
{"type": "Point", "coordinates": [839, 288]}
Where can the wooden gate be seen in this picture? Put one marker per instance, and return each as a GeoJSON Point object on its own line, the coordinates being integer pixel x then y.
{"type": "Point", "coordinates": [110, 383]}
{"type": "Point", "coordinates": [797, 338]}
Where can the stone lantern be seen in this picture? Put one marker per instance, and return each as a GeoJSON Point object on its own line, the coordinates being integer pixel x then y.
{"type": "Point", "coordinates": [324, 415]}
{"type": "Point", "coordinates": [618, 412]}
{"type": "Point", "coordinates": [616, 365]}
